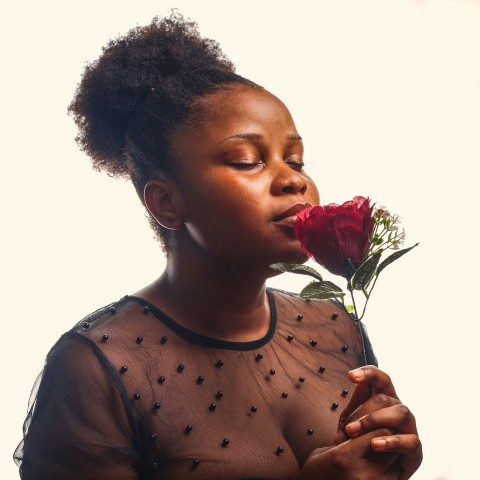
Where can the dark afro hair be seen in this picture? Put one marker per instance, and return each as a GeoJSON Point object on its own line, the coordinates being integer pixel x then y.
{"type": "Point", "coordinates": [143, 86]}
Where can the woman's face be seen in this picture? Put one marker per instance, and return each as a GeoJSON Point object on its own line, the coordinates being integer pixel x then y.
{"type": "Point", "coordinates": [241, 177]}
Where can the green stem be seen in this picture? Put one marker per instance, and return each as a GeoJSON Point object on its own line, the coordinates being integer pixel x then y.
{"type": "Point", "coordinates": [357, 321]}
{"type": "Point", "coordinates": [350, 289]}
{"type": "Point", "coordinates": [362, 343]}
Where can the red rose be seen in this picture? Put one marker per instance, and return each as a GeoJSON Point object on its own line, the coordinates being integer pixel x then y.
{"type": "Point", "coordinates": [332, 234]}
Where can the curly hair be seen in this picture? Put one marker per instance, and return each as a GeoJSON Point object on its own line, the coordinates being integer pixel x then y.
{"type": "Point", "coordinates": [143, 86]}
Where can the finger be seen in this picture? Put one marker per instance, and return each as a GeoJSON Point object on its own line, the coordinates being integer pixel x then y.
{"type": "Point", "coordinates": [374, 403]}
{"type": "Point", "coordinates": [363, 449]}
{"type": "Point", "coordinates": [396, 417]}
{"type": "Point", "coordinates": [404, 444]}
{"type": "Point", "coordinates": [369, 379]}
{"type": "Point", "coordinates": [408, 447]}
{"type": "Point", "coordinates": [376, 378]}
{"type": "Point", "coordinates": [353, 456]}
{"type": "Point", "coordinates": [360, 395]}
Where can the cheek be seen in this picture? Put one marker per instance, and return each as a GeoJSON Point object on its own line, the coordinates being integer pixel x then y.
{"type": "Point", "coordinates": [226, 197]}
{"type": "Point", "coordinates": [226, 213]}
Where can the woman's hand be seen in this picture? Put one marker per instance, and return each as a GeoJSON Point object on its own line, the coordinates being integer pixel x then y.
{"type": "Point", "coordinates": [377, 436]}
{"type": "Point", "coordinates": [374, 404]}
{"type": "Point", "coordinates": [353, 459]}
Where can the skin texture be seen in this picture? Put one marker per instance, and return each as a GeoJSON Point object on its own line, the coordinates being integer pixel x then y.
{"type": "Point", "coordinates": [377, 436]}
{"type": "Point", "coordinates": [223, 203]}
{"type": "Point", "coordinates": [237, 173]}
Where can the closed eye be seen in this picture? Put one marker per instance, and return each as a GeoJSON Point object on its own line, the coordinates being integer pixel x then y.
{"type": "Point", "coordinates": [295, 164]}
{"type": "Point", "coordinates": [245, 165]}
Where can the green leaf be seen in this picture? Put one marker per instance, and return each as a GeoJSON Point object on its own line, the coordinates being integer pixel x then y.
{"type": "Point", "coordinates": [334, 287]}
{"type": "Point", "coordinates": [394, 256]}
{"type": "Point", "coordinates": [320, 291]}
{"type": "Point", "coordinates": [365, 272]}
{"type": "Point", "coordinates": [296, 268]}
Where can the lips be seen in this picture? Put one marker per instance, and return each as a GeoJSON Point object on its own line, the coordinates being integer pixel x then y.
{"type": "Point", "coordinates": [291, 213]}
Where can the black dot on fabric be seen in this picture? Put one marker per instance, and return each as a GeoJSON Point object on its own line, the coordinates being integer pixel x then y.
{"type": "Point", "coordinates": [153, 437]}
{"type": "Point", "coordinates": [322, 369]}
{"type": "Point", "coordinates": [272, 371]}
{"type": "Point", "coordinates": [253, 408]}
{"type": "Point", "coordinates": [136, 396]}
{"type": "Point", "coordinates": [219, 394]}
{"type": "Point", "coordinates": [123, 369]}
{"type": "Point", "coordinates": [219, 363]}
{"type": "Point", "coordinates": [196, 462]}
{"type": "Point", "coordinates": [225, 442]}
{"type": "Point", "coordinates": [299, 317]}
{"type": "Point", "coordinates": [334, 405]}
{"type": "Point", "coordinates": [284, 394]}
{"type": "Point", "coordinates": [301, 379]}
{"type": "Point", "coordinates": [200, 379]}
{"type": "Point", "coordinates": [146, 309]}
{"type": "Point", "coordinates": [290, 338]}
{"type": "Point", "coordinates": [181, 368]}
{"type": "Point", "coordinates": [161, 379]}
{"type": "Point", "coordinates": [334, 315]}
{"type": "Point", "coordinates": [212, 407]}
{"type": "Point", "coordinates": [112, 309]}
{"type": "Point", "coordinates": [156, 406]}
{"type": "Point", "coordinates": [164, 339]}
{"type": "Point", "coordinates": [155, 467]}
{"type": "Point", "coordinates": [259, 356]}
{"type": "Point", "coordinates": [310, 431]}
{"type": "Point", "coordinates": [104, 337]}
{"type": "Point", "coordinates": [313, 342]}
{"type": "Point", "coordinates": [344, 392]}
{"type": "Point", "coordinates": [85, 325]}
{"type": "Point", "coordinates": [139, 339]}
{"type": "Point", "coordinates": [344, 348]}
{"type": "Point", "coordinates": [188, 429]}
{"type": "Point", "coordinates": [279, 450]}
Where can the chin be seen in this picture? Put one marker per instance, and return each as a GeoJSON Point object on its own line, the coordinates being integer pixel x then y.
{"type": "Point", "coordinates": [295, 256]}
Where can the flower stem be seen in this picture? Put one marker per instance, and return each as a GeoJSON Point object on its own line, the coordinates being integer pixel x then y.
{"type": "Point", "coordinates": [356, 320]}
{"type": "Point", "coordinates": [362, 342]}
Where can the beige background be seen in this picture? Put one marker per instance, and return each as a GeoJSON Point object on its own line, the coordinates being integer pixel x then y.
{"type": "Point", "coordinates": [387, 97]}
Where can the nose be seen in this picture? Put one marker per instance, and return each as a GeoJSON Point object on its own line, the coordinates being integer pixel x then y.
{"type": "Point", "coordinates": [287, 180]}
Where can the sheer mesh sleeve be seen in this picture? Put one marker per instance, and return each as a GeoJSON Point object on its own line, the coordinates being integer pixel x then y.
{"type": "Point", "coordinates": [78, 426]}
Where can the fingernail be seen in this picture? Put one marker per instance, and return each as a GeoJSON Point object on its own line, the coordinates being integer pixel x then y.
{"type": "Point", "coordinates": [379, 443]}
{"type": "Point", "coordinates": [358, 373]}
{"type": "Point", "coordinates": [353, 428]}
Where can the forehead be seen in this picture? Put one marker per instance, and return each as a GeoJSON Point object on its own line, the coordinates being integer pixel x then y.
{"type": "Point", "coordinates": [241, 109]}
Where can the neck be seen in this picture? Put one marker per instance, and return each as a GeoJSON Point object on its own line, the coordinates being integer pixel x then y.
{"type": "Point", "coordinates": [212, 297]}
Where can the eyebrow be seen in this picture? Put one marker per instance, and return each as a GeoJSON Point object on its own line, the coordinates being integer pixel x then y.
{"type": "Point", "coordinates": [257, 136]}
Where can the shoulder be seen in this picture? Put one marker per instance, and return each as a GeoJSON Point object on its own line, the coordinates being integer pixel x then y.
{"type": "Point", "coordinates": [83, 355]}
{"type": "Point", "coordinates": [320, 309]}
{"type": "Point", "coordinates": [326, 322]}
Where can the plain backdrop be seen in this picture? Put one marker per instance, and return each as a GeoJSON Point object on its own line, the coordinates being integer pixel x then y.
{"type": "Point", "coordinates": [386, 94]}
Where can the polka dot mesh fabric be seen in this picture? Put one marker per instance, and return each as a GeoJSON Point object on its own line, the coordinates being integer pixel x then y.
{"type": "Point", "coordinates": [130, 394]}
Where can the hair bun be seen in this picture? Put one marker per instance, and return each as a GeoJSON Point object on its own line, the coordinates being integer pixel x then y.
{"type": "Point", "coordinates": [130, 67]}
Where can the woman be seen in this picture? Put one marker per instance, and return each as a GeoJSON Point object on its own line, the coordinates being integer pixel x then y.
{"type": "Point", "coordinates": [206, 373]}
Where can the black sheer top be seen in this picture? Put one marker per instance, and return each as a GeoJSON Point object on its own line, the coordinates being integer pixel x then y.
{"type": "Point", "coordinates": [130, 394]}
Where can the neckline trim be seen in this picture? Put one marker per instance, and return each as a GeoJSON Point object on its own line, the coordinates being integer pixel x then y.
{"type": "Point", "coordinates": [203, 340]}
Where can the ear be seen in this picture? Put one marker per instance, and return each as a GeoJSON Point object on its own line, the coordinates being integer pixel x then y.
{"type": "Point", "coordinates": [162, 200]}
